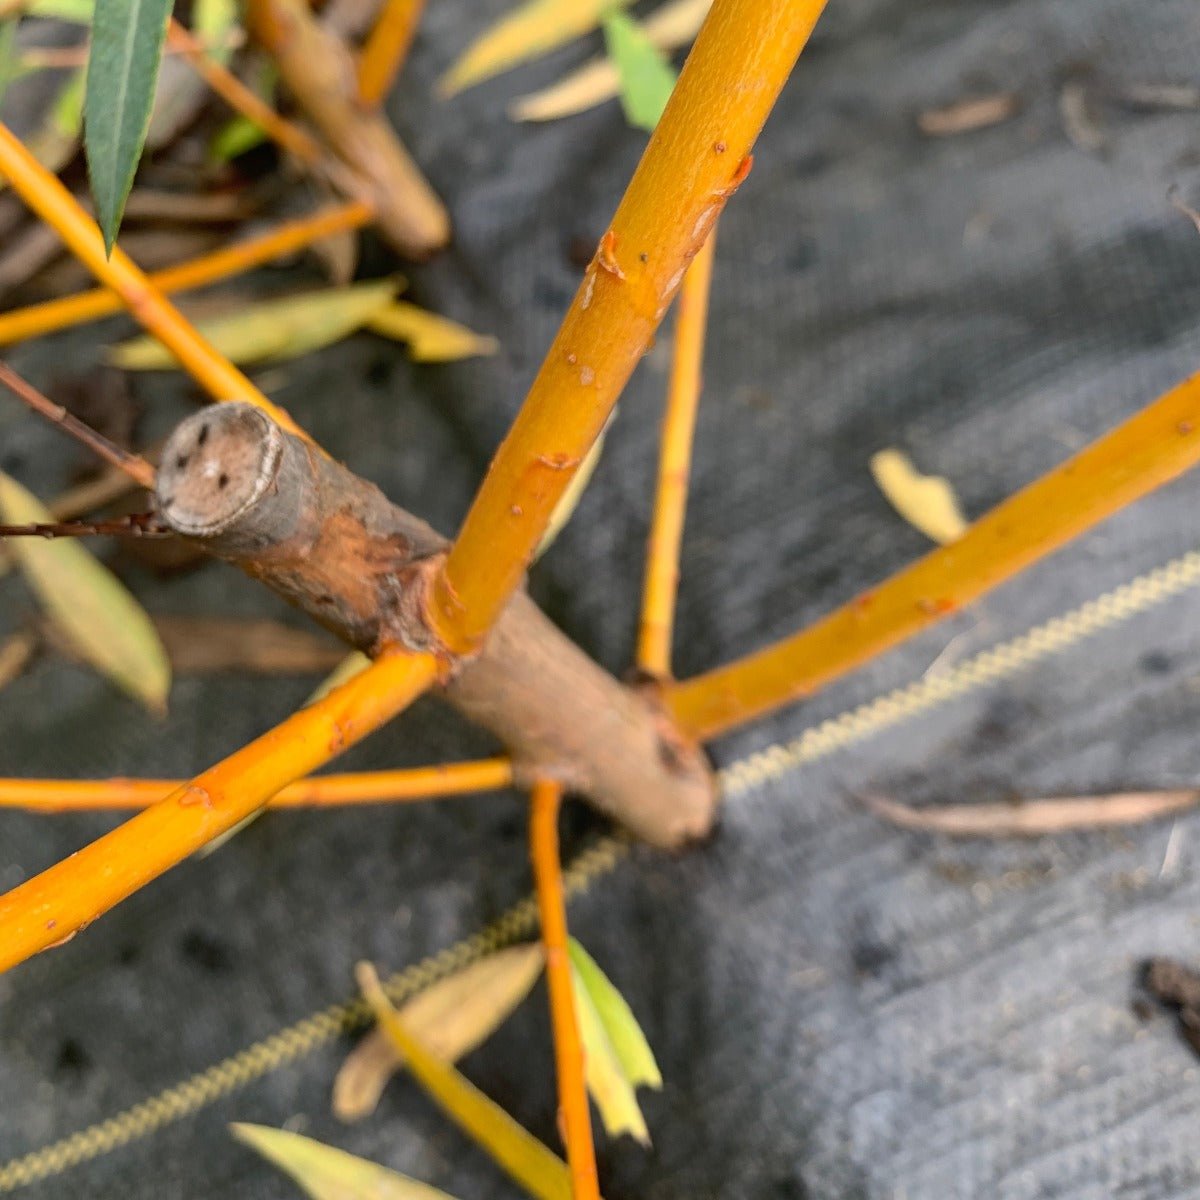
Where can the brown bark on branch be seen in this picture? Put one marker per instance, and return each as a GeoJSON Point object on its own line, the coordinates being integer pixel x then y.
{"type": "Point", "coordinates": [321, 74]}
{"type": "Point", "coordinates": [335, 546]}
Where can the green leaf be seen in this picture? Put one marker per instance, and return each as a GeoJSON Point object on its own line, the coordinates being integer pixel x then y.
{"type": "Point", "coordinates": [430, 338]}
{"type": "Point", "coordinates": [534, 28]}
{"type": "Point", "coordinates": [328, 1174]}
{"type": "Point", "coordinates": [122, 74]}
{"type": "Point", "coordinates": [78, 12]}
{"type": "Point", "coordinates": [94, 612]}
{"type": "Point", "coordinates": [10, 65]}
{"type": "Point", "coordinates": [534, 1167]}
{"type": "Point", "coordinates": [273, 330]}
{"type": "Point", "coordinates": [240, 134]}
{"type": "Point", "coordinates": [646, 76]}
{"type": "Point", "coordinates": [625, 1034]}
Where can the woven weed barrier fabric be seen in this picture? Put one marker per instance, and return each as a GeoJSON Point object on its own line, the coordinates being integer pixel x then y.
{"type": "Point", "coordinates": [840, 1009]}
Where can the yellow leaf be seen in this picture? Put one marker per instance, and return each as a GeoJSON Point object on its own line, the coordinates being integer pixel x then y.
{"type": "Point", "coordinates": [430, 338]}
{"type": "Point", "coordinates": [568, 502]}
{"type": "Point", "coordinates": [328, 1174]}
{"type": "Point", "coordinates": [672, 25]}
{"type": "Point", "coordinates": [354, 662]}
{"type": "Point", "coordinates": [94, 612]}
{"type": "Point", "coordinates": [452, 1017]}
{"type": "Point", "coordinates": [926, 502]}
{"type": "Point", "coordinates": [617, 1057]}
{"type": "Point", "coordinates": [535, 1168]}
{"type": "Point", "coordinates": [529, 31]}
{"type": "Point", "coordinates": [273, 330]}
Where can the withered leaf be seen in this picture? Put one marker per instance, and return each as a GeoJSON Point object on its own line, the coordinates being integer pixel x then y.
{"type": "Point", "coordinates": [926, 502]}
{"type": "Point", "coordinates": [88, 605]}
{"type": "Point", "coordinates": [430, 338]}
{"type": "Point", "coordinates": [452, 1017]}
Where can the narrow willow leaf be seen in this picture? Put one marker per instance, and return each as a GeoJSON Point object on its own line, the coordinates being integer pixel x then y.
{"type": "Point", "coordinates": [534, 1167]}
{"type": "Point", "coordinates": [10, 66]}
{"type": "Point", "coordinates": [273, 330]}
{"type": "Point", "coordinates": [625, 1034]}
{"type": "Point", "coordinates": [452, 1017]}
{"type": "Point", "coordinates": [77, 12]}
{"type": "Point", "coordinates": [430, 338]}
{"type": "Point", "coordinates": [328, 1174]}
{"type": "Point", "coordinates": [615, 1097]}
{"type": "Point", "coordinates": [240, 134]}
{"type": "Point", "coordinates": [94, 612]}
{"type": "Point", "coordinates": [672, 25]}
{"type": "Point", "coordinates": [926, 502]}
{"type": "Point", "coordinates": [568, 502]}
{"type": "Point", "coordinates": [354, 663]}
{"type": "Point", "coordinates": [122, 73]}
{"type": "Point", "coordinates": [529, 31]}
{"type": "Point", "coordinates": [646, 78]}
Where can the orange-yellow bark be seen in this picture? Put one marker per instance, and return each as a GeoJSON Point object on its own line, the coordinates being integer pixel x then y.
{"type": "Point", "coordinates": [697, 156]}
{"type": "Point", "coordinates": [242, 99]}
{"type": "Point", "coordinates": [46, 196]}
{"type": "Point", "coordinates": [318, 791]}
{"type": "Point", "coordinates": [1141, 454]}
{"type": "Point", "coordinates": [674, 465]}
{"type": "Point", "coordinates": [53, 906]}
{"type": "Point", "coordinates": [386, 48]}
{"type": "Point", "coordinates": [52, 315]}
{"type": "Point", "coordinates": [575, 1119]}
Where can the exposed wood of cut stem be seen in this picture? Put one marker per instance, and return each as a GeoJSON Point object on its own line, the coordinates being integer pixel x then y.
{"type": "Point", "coordinates": [319, 791]}
{"type": "Point", "coordinates": [674, 464]}
{"type": "Point", "coordinates": [697, 157]}
{"type": "Point", "coordinates": [51, 907]}
{"type": "Point", "coordinates": [319, 72]}
{"type": "Point", "coordinates": [1141, 454]}
{"type": "Point", "coordinates": [335, 546]}
{"type": "Point", "coordinates": [289, 237]}
{"type": "Point", "coordinates": [44, 193]}
{"type": "Point", "coordinates": [386, 48]}
{"type": "Point", "coordinates": [576, 1121]}
{"type": "Point", "coordinates": [134, 465]}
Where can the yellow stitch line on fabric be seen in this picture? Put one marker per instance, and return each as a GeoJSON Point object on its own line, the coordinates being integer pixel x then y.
{"type": "Point", "coordinates": [737, 779]}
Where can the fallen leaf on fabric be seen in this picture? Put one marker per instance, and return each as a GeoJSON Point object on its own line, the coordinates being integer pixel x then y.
{"type": "Point", "coordinates": [325, 1173]}
{"type": "Point", "coordinates": [452, 1017]}
{"type": "Point", "coordinates": [351, 665]}
{"type": "Point", "coordinates": [1034, 818]}
{"type": "Point", "coordinates": [529, 31]}
{"type": "Point", "coordinates": [926, 502]}
{"type": "Point", "coordinates": [88, 605]}
{"type": "Point", "coordinates": [965, 116]}
{"type": "Point", "coordinates": [672, 25]}
{"type": "Point", "coordinates": [430, 338]}
{"type": "Point", "coordinates": [15, 653]}
{"type": "Point", "coordinates": [208, 645]}
{"type": "Point", "coordinates": [531, 1164]}
{"type": "Point", "coordinates": [646, 77]}
{"type": "Point", "coordinates": [273, 330]}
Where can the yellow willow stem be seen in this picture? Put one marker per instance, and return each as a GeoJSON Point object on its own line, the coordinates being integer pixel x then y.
{"type": "Point", "coordinates": [575, 1119]}
{"type": "Point", "coordinates": [242, 99]}
{"type": "Point", "coordinates": [45, 195]}
{"type": "Point", "coordinates": [1141, 454]}
{"type": "Point", "coordinates": [53, 906]}
{"type": "Point", "coordinates": [386, 48]}
{"type": "Point", "coordinates": [291, 236]}
{"type": "Point", "coordinates": [674, 466]}
{"type": "Point", "coordinates": [319, 791]}
{"type": "Point", "coordinates": [698, 155]}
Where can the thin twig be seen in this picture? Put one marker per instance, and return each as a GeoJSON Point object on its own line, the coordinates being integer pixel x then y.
{"type": "Point", "coordinates": [674, 464]}
{"type": "Point", "coordinates": [62, 313]}
{"type": "Point", "coordinates": [134, 465]}
{"type": "Point", "coordinates": [140, 525]}
{"type": "Point", "coordinates": [319, 791]}
{"type": "Point", "coordinates": [386, 48]}
{"type": "Point", "coordinates": [1034, 818]}
{"type": "Point", "coordinates": [576, 1124]}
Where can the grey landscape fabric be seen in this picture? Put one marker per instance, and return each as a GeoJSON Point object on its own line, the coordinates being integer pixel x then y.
{"type": "Point", "coordinates": [840, 1009]}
